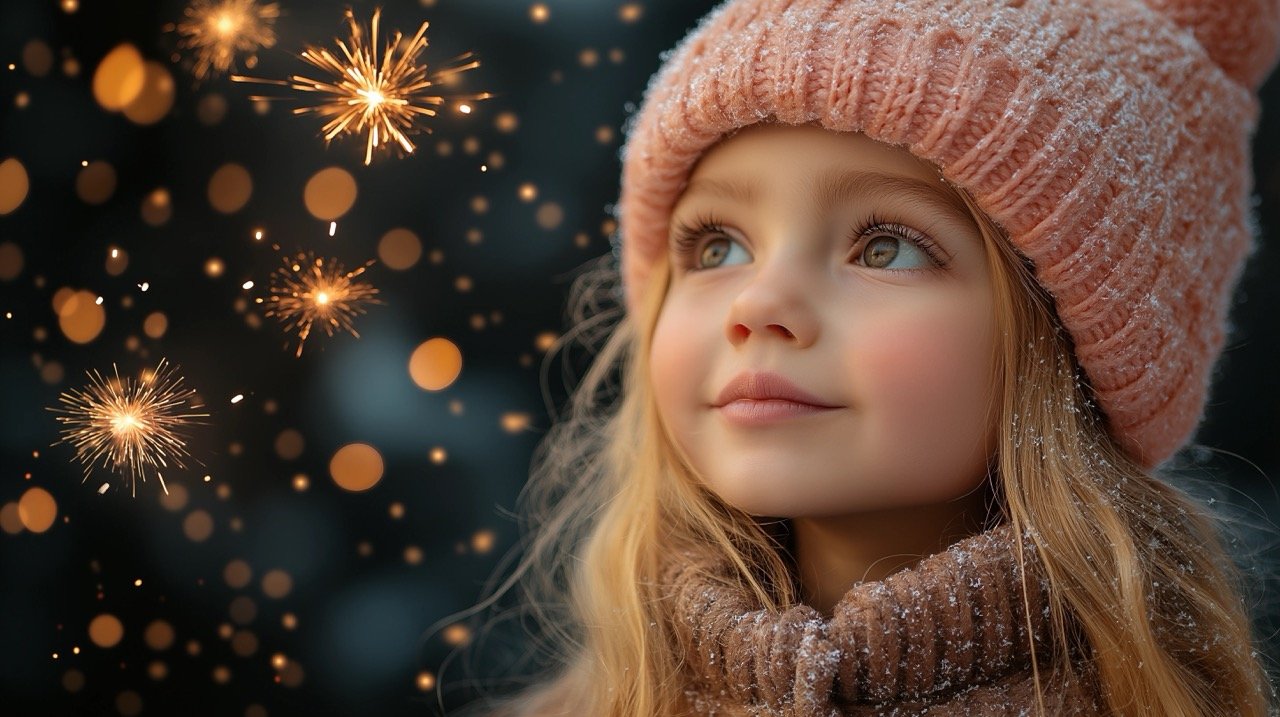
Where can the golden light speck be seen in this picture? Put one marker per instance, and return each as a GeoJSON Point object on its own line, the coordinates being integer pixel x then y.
{"type": "Point", "coordinates": [477, 322]}
{"type": "Point", "coordinates": [278, 661]}
{"type": "Point", "coordinates": [455, 407]}
{"type": "Point", "coordinates": [106, 630]}
{"type": "Point", "coordinates": [39, 334]}
{"type": "Point", "coordinates": [237, 574]}
{"type": "Point", "coordinates": [435, 364]}
{"type": "Point", "coordinates": [234, 448]}
{"type": "Point", "coordinates": [545, 340]}
{"type": "Point", "coordinates": [214, 267]}
{"type": "Point", "coordinates": [514, 421]}
{"type": "Point", "coordinates": [399, 249]}
{"type": "Point", "coordinates": [157, 207]}
{"type": "Point", "coordinates": [155, 324]}
{"type": "Point", "coordinates": [52, 373]}
{"type": "Point", "coordinates": [70, 6]}
{"type": "Point", "coordinates": [157, 670]}
{"type": "Point", "coordinates": [289, 444]}
{"type": "Point", "coordinates": [630, 12]}
{"type": "Point", "coordinates": [198, 526]}
{"type": "Point", "coordinates": [413, 555]}
{"type": "Point", "coordinates": [223, 491]}
{"type": "Point", "coordinates": [81, 317]}
{"type": "Point", "coordinates": [73, 681]}
{"type": "Point", "coordinates": [159, 635]}
{"type": "Point", "coordinates": [237, 524]}
{"type": "Point", "coordinates": [10, 521]}
{"type": "Point", "coordinates": [356, 467]}
{"type": "Point", "coordinates": [243, 610]}
{"type": "Point", "coordinates": [330, 193]}
{"type": "Point", "coordinates": [129, 703]}
{"type": "Point", "coordinates": [616, 56]}
{"type": "Point", "coordinates": [301, 482]}
{"type": "Point", "coordinates": [479, 204]}
{"type": "Point", "coordinates": [539, 13]}
{"type": "Point", "coordinates": [176, 499]}
{"type": "Point", "coordinates": [37, 509]}
{"type": "Point", "coordinates": [604, 134]}
{"type": "Point", "coordinates": [261, 107]}
{"type": "Point", "coordinates": [10, 261]}
{"type": "Point", "coordinates": [549, 215]}
{"type": "Point", "coordinates": [117, 261]}
{"type": "Point", "coordinates": [270, 406]}
{"type": "Point", "coordinates": [156, 98]}
{"type": "Point", "coordinates": [588, 57]}
{"type": "Point", "coordinates": [425, 681]}
{"type": "Point", "coordinates": [22, 100]}
{"type": "Point", "coordinates": [221, 675]}
{"type": "Point", "coordinates": [37, 58]}
{"type": "Point", "coordinates": [96, 182]}
{"type": "Point", "coordinates": [244, 643]}
{"type": "Point", "coordinates": [527, 192]}
{"type": "Point", "coordinates": [396, 510]}
{"type": "Point", "coordinates": [608, 227]}
{"type": "Point", "coordinates": [557, 77]}
{"type": "Point", "coordinates": [276, 584]}
{"type": "Point", "coordinates": [462, 284]}
{"type": "Point", "coordinates": [471, 145]}
{"type": "Point", "coordinates": [14, 185]}
{"type": "Point", "coordinates": [211, 109]}
{"type": "Point", "coordinates": [582, 240]}
{"type": "Point", "coordinates": [193, 647]}
{"type": "Point", "coordinates": [364, 549]}
{"type": "Point", "coordinates": [119, 77]}
{"type": "Point", "coordinates": [438, 455]}
{"type": "Point", "coordinates": [444, 148]}
{"type": "Point", "coordinates": [474, 236]}
{"type": "Point", "coordinates": [482, 541]}
{"type": "Point", "coordinates": [506, 122]}
{"type": "Point", "coordinates": [230, 188]}
{"type": "Point", "coordinates": [456, 634]}
{"type": "Point", "coordinates": [71, 67]}
{"type": "Point", "coordinates": [496, 160]}
{"type": "Point", "coordinates": [289, 621]}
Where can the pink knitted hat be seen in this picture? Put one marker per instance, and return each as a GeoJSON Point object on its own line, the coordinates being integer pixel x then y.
{"type": "Point", "coordinates": [1109, 138]}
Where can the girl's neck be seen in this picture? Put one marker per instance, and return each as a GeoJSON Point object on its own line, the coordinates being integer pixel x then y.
{"type": "Point", "coordinates": [832, 554]}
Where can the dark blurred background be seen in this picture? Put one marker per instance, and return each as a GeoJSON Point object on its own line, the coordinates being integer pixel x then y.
{"type": "Point", "coordinates": [259, 585]}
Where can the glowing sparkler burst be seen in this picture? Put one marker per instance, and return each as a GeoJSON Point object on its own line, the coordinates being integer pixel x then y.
{"type": "Point", "coordinates": [308, 289]}
{"type": "Point", "coordinates": [216, 30]}
{"type": "Point", "coordinates": [382, 98]}
{"type": "Point", "coordinates": [132, 426]}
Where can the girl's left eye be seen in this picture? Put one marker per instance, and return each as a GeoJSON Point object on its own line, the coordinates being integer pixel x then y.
{"type": "Point", "coordinates": [880, 245]}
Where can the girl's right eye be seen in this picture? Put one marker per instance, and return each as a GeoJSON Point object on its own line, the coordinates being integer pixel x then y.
{"type": "Point", "coordinates": [689, 248]}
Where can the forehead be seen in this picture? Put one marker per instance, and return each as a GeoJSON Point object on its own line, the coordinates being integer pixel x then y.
{"type": "Point", "coordinates": [824, 165]}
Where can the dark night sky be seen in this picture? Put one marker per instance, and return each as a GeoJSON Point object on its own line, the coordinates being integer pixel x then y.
{"type": "Point", "coordinates": [370, 571]}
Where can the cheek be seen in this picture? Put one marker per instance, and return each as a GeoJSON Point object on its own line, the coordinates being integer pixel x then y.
{"type": "Point", "coordinates": [927, 372]}
{"type": "Point", "coordinates": [673, 358]}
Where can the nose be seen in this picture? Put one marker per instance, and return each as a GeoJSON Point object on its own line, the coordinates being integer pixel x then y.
{"type": "Point", "coordinates": [776, 300]}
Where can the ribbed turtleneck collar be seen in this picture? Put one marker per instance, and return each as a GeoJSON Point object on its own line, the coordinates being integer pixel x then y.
{"type": "Point", "coordinates": [955, 620]}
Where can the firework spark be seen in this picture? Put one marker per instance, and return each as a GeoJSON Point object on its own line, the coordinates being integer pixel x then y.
{"type": "Point", "coordinates": [382, 98]}
{"type": "Point", "coordinates": [133, 427]}
{"type": "Point", "coordinates": [217, 30]}
{"type": "Point", "coordinates": [308, 289]}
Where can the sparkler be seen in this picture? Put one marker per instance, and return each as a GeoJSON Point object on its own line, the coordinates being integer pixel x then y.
{"type": "Point", "coordinates": [308, 289]}
{"type": "Point", "coordinates": [381, 97]}
{"type": "Point", "coordinates": [218, 29]}
{"type": "Point", "coordinates": [131, 426]}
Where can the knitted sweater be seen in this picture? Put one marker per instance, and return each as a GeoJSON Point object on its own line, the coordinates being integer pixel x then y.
{"type": "Point", "coordinates": [947, 637]}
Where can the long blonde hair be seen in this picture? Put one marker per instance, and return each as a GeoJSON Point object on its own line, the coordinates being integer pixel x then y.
{"type": "Point", "coordinates": [1142, 590]}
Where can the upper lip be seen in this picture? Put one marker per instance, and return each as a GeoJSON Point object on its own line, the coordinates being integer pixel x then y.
{"type": "Point", "coordinates": [765, 385]}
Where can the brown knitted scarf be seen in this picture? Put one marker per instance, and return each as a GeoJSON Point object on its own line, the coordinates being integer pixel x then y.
{"type": "Point", "coordinates": [947, 637]}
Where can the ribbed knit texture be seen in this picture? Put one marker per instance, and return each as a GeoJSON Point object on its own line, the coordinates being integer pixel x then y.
{"type": "Point", "coordinates": [947, 637]}
{"type": "Point", "coordinates": [1109, 138]}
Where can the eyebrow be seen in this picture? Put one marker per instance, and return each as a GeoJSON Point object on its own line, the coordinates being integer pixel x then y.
{"type": "Point", "coordinates": [829, 189]}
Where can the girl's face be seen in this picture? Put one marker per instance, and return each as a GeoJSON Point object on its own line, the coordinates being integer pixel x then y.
{"type": "Point", "coordinates": [837, 262]}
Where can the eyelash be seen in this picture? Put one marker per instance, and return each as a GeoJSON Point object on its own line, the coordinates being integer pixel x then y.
{"type": "Point", "coordinates": [688, 238]}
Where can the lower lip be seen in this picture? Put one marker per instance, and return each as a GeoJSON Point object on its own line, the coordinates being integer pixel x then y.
{"type": "Point", "coordinates": [746, 412]}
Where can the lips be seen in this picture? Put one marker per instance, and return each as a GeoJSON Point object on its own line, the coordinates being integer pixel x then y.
{"type": "Point", "coordinates": [766, 386]}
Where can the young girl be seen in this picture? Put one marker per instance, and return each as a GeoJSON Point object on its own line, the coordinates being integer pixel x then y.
{"type": "Point", "coordinates": [920, 297]}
